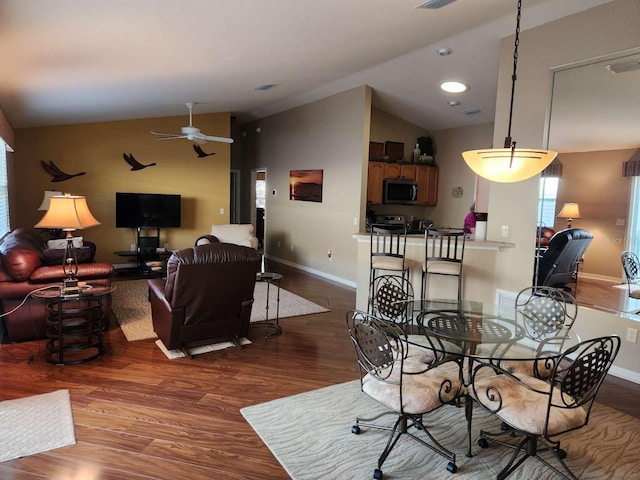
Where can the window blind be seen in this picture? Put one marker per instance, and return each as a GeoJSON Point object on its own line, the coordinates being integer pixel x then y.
{"type": "Point", "coordinates": [4, 190]}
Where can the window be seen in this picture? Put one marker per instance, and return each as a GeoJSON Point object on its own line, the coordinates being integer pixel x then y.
{"type": "Point", "coordinates": [4, 190]}
{"type": "Point", "coordinates": [547, 201]}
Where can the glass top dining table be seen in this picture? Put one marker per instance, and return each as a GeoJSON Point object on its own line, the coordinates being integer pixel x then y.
{"type": "Point", "coordinates": [474, 333]}
{"type": "Point", "coordinates": [483, 331]}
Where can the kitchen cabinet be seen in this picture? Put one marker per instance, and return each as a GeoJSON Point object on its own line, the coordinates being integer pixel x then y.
{"type": "Point", "coordinates": [397, 171]}
{"type": "Point", "coordinates": [427, 178]}
{"type": "Point", "coordinates": [374, 182]}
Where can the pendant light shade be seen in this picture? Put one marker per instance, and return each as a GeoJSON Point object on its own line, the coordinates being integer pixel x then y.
{"type": "Point", "coordinates": [498, 164]}
{"type": "Point", "coordinates": [509, 164]}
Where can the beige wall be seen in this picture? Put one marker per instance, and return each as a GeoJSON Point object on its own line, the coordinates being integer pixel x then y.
{"type": "Point", "coordinates": [602, 30]}
{"type": "Point", "coordinates": [97, 149]}
{"type": "Point", "coordinates": [594, 180]}
{"type": "Point", "coordinates": [331, 135]}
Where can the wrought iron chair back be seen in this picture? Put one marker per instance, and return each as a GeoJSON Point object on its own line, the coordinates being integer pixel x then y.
{"type": "Point", "coordinates": [444, 255]}
{"type": "Point", "coordinates": [631, 267]}
{"type": "Point", "coordinates": [545, 311]}
{"type": "Point", "coordinates": [389, 301]}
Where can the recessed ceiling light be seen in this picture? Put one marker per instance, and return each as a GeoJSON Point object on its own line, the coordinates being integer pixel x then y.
{"type": "Point", "coordinates": [266, 86]}
{"type": "Point", "coordinates": [454, 87]}
{"type": "Point", "coordinates": [454, 103]}
{"type": "Point", "coordinates": [444, 51]}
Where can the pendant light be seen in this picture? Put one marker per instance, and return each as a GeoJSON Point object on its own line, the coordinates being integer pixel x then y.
{"type": "Point", "coordinates": [509, 164]}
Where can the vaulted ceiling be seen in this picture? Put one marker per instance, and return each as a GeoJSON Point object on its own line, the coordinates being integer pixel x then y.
{"type": "Point", "coordinates": [76, 61]}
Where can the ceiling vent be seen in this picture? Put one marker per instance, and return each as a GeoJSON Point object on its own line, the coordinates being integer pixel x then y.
{"type": "Point", "coordinates": [433, 4]}
{"type": "Point", "coordinates": [623, 67]}
{"type": "Point", "coordinates": [472, 111]}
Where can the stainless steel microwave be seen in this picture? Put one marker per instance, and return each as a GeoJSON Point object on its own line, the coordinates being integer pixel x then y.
{"type": "Point", "coordinates": [399, 191]}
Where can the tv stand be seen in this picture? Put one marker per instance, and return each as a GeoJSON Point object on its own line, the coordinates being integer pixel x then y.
{"type": "Point", "coordinates": [147, 244]}
{"type": "Point", "coordinates": [148, 241]}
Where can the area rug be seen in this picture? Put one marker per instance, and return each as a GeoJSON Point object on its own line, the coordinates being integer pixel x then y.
{"type": "Point", "coordinates": [35, 424]}
{"type": "Point", "coordinates": [130, 305]}
{"type": "Point", "coordinates": [310, 435]}
{"type": "Point", "coordinates": [173, 354]}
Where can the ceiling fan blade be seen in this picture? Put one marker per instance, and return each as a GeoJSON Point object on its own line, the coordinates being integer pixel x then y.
{"type": "Point", "coordinates": [168, 136]}
{"type": "Point", "coordinates": [210, 138]}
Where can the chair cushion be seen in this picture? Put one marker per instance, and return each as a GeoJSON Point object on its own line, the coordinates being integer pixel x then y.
{"type": "Point", "coordinates": [386, 262]}
{"type": "Point", "coordinates": [525, 409]}
{"type": "Point", "coordinates": [442, 268]}
{"type": "Point", "coordinates": [421, 393]}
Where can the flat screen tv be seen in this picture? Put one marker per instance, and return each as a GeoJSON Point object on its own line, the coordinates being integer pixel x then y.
{"type": "Point", "coordinates": [152, 210]}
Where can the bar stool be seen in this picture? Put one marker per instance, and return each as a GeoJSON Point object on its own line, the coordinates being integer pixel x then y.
{"type": "Point", "coordinates": [388, 248]}
{"type": "Point", "coordinates": [444, 254]}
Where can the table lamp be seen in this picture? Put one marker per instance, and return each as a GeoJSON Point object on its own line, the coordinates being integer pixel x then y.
{"type": "Point", "coordinates": [569, 211]}
{"type": "Point", "coordinates": [68, 213]}
{"type": "Point", "coordinates": [46, 201]}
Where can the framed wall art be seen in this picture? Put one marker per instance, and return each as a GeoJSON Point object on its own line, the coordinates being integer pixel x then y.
{"type": "Point", "coordinates": [305, 185]}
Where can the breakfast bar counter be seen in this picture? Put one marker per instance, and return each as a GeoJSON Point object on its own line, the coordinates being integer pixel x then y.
{"type": "Point", "coordinates": [479, 267]}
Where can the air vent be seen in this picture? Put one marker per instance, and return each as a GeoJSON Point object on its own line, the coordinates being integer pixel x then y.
{"type": "Point", "coordinates": [623, 67]}
{"type": "Point", "coordinates": [472, 111]}
{"type": "Point", "coordinates": [433, 4]}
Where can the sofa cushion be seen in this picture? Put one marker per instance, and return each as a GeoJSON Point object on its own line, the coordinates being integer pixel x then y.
{"type": "Point", "coordinates": [22, 253]}
{"type": "Point", "coordinates": [61, 243]}
{"type": "Point", "coordinates": [238, 233]}
{"type": "Point", "coordinates": [54, 256]}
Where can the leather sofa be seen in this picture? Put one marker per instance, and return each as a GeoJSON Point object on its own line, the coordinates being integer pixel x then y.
{"type": "Point", "coordinates": [208, 294]}
{"type": "Point", "coordinates": [26, 264]}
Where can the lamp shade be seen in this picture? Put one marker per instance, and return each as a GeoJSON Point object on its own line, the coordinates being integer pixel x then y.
{"type": "Point", "coordinates": [68, 212]}
{"type": "Point", "coordinates": [47, 199]}
{"type": "Point", "coordinates": [569, 210]}
{"type": "Point", "coordinates": [508, 165]}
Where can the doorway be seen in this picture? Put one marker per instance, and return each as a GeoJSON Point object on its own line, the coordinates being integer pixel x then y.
{"type": "Point", "coordinates": [258, 200]}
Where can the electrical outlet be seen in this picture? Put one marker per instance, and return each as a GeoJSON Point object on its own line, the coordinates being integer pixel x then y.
{"type": "Point", "coordinates": [222, 211]}
{"type": "Point", "coordinates": [330, 255]}
{"type": "Point", "coordinates": [278, 243]}
{"type": "Point", "coordinates": [292, 247]}
{"type": "Point", "coordinates": [632, 335]}
{"type": "Point", "coordinates": [505, 231]}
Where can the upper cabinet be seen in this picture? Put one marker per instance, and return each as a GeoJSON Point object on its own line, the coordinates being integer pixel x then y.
{"type": "Point", "coordinates": [397, 171]}
{"type": "Point", "coordinates": [374, 182]}
{"type": "Point", "coordinates": [426, 177]}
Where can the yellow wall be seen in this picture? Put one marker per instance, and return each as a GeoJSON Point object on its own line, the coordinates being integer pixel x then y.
{"type": "Point", "coordinates": [97, 149]}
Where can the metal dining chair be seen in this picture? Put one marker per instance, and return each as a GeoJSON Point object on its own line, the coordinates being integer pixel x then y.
{"type": "Point", "coordinates": [539, 411]}
{"type": "Point", "coordinates": [408, 384]}
{"type": "Point", "coordinates": [389, 301]}
{"type": "Point", "coordinates": [444, 255]}
{"type": "Point", "coordinates": [388, 252]}
{"type": "Point", "coordinates": [631, 266]}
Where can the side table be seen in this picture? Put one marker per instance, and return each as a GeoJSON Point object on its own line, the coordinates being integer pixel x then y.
{"type": "Point", "coordinates": [271, 278]}
{"type": "Point", "coordinates": [75, 324]}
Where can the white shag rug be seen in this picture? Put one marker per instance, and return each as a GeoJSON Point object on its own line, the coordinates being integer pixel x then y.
{"type": "Point", "coordinates": [130, 305]}
{"type": "Point", "coordinates": [310, 435]}
{"type": "Point", "coordinates": [35, 424]}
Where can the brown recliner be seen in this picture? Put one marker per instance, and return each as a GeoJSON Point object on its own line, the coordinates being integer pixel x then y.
{"type": "Point", "coordinates": [208, 295]}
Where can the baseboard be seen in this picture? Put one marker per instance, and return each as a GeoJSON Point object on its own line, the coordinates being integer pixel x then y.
{"type": "Point", "coordinates": [313, 271]}
{"type": "Point", "coordinates": [625, 374]}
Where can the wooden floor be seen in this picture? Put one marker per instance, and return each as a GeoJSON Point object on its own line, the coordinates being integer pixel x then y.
{"type": "Point", "coordinates": [141, 416]}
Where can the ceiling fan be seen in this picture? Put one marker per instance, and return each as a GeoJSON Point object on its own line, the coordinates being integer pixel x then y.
{"type": "Point", "coordinates": [192, 133]}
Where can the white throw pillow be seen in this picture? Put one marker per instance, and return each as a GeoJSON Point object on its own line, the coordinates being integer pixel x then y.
{"type": "Point", "coordinates": [60, 243]}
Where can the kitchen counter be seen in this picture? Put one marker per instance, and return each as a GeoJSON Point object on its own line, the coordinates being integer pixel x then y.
{"type": "Point", "coordinates": [480, 260]}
